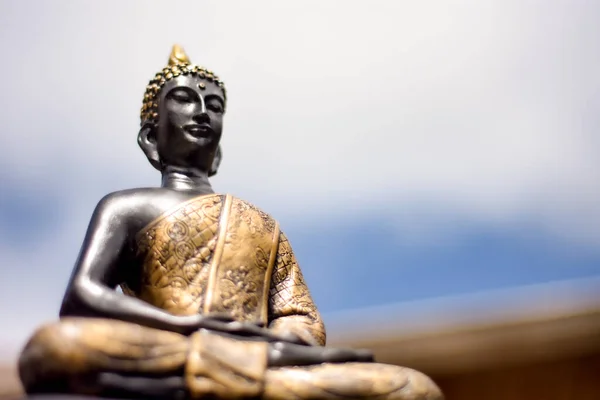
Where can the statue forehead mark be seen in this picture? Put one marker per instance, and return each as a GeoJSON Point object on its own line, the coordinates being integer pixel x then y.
{"type": "Point", "coordinates": [195, 83]}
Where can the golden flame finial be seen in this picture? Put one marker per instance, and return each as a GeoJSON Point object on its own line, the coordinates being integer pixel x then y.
{"type": "Point", "coordinates": [178, 56]}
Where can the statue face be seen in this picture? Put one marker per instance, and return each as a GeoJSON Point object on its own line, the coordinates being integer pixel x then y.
{"type": "Point", "coordinates": [190, 122]}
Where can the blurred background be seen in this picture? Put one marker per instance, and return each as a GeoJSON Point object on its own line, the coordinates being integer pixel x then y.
{"type": "Point", "coordinates": [434, 164]}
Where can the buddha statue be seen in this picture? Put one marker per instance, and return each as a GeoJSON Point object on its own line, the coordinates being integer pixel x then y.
{"type": "Point", "coordinates": [213, 303]}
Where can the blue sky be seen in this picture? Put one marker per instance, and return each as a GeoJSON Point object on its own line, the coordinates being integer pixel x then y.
{"type": "Point", "coordinates": [411, 151]}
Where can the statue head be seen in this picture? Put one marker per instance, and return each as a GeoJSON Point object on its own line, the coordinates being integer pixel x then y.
{"type": "Point", "coordinates": [182, 116]}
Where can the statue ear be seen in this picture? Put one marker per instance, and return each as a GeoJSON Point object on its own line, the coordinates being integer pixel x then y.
{"type": "Point", "coordinates": [216, 162]}
{"type": "Point", "coordinates": [147, 141]}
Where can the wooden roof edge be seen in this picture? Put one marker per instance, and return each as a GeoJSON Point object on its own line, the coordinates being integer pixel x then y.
{"type": "Point", "coordinates": [459, 348]}
{"type": "Point", "coordinates": [526, 324]}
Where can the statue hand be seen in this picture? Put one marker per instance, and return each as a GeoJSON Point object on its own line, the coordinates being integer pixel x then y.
{"type": "Point", "coordinates": [189, 324]}
{"type": "Point", "coordinates": [257, 329]}
{"type": "Point", "coordinates": [227, 324]}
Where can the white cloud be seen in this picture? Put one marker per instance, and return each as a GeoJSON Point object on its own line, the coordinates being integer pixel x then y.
{"type": "Point", "coordinates": [485, 108]}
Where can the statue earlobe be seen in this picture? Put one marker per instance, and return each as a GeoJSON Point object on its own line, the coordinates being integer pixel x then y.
{"type": "Point", "coordinates": [216, 162]}
{"type": "Point", "coordinates": [147, 142]}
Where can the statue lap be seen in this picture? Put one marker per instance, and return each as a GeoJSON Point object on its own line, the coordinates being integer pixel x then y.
{"type": "Point", "coordinates": [64, 356]}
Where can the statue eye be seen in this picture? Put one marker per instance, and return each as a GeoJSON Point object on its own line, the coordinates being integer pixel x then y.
{"type": "Point", "coordinates": [215, 106]}
{"type": "Point", "coordinates": [182, 96]}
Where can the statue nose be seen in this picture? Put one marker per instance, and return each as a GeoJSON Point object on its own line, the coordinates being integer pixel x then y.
{"type": "Point", "coordinates": [201, 116]}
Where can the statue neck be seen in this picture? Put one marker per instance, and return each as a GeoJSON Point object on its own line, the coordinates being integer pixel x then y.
{"type": "Point", "coordinates": [185, 179]}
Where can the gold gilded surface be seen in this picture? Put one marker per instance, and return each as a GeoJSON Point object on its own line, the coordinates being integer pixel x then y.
{"type": "Point", "coordinates": [178, 56]}
{"type": "Point", "coordinates": [211, 366]}
{"type": "Point", "coordinates": [220, 244]}
{"type": "Point", "coordinates": [176, 252]}
{"type": "Point", "coordinates": [291, 307]}
{"type": "Point", "coordinates": [252, 271]}
{"type": "Point", "coordinates": [68, 350]}
{"type": "Point", "coordinates": [242, 271]}
{"type": "Point", "coordinates": [349, 381]}
{"type": "Point", "coordinates": [217, 253]}
{"type": "Point", "coordinates": [225, 368]}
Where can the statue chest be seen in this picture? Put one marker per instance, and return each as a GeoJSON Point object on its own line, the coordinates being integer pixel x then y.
{"type": "Point", "coordinates": [214, 253]}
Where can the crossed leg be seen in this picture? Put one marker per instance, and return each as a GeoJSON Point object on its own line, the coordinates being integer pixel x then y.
{"type": "Point", "coordinates": [119, 359]}
{"type": "Point", "coordinates": [104, 357]}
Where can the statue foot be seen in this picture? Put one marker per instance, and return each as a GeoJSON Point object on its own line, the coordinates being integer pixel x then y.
{"type": "Point", "coordinates": [349, 381]}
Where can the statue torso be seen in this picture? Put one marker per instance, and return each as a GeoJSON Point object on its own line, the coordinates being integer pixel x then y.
{"type": "Point", "coordinates": [211, 253]}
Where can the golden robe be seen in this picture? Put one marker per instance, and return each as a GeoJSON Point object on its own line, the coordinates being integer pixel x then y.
{"type": "Point", "coordinates": [217, 253]}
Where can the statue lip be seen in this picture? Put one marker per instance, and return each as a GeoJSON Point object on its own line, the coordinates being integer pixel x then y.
{"type": "Point", "coordinates": [199, 130]}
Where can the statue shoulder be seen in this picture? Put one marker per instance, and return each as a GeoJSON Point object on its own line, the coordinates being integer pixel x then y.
{"type": "Point", "coordinates": [125, 203]}
{"type": "Point", "coordinates": [245, 206]}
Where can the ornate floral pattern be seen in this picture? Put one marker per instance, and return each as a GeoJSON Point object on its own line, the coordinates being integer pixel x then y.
{"type": "Point", "coordinates": [291, 307]}
{"type": "Point", "coordinates": [177, 253]}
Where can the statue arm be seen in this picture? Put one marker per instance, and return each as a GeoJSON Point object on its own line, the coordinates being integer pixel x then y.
{"type": "Point", "coordinates": [98, 270]}
{"type": "Point", "coordinates": [291, 307]}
